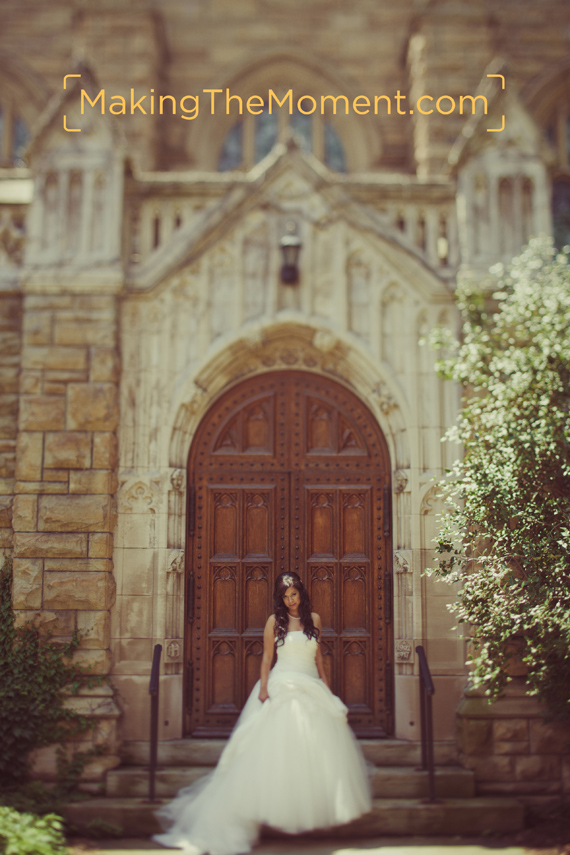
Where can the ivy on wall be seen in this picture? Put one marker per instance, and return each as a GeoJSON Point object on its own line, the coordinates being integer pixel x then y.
{"type": "Point", "coordinates": [37, 674]}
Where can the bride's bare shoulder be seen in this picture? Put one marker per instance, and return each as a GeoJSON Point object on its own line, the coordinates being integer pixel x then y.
{"type": "Point", "coordinates": [270, 622]}
{"type": "Point", "coordinates": [316, 618]}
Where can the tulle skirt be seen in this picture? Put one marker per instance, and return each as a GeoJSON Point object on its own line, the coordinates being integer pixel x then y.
{"type": "Point", "coordinates": [292, 763]}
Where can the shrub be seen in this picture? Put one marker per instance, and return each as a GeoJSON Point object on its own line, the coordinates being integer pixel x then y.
{"type": "Point", "coordinates": [506, 537]}
{"type": "Point", "coordinates": [36, 675]}
{"type": "Point", "coordinates": [27, 834]}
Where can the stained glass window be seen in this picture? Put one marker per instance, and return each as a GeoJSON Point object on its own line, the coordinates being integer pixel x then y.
{"type": "Point", "coordinates": [334, 149]}
{"type": "Point", "coordinates": [20, 138]}
{"type": "Point", "coordinates": [231, 155]}
{"type": "Point", "coordinates": [551, 135]}
{"type": "Point", "coordinates": [263, 135]}
{"type": "Point", "coordinates": [266, 129]}
{"type": "Point", "coordinates": [14, 135]}
{"type": "Point", "coordinates": [302, 126]}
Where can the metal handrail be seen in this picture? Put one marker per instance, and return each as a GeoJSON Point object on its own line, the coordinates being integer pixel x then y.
{"type": "Point", "coordinates": [154, 691]}
{"type": "Point", "coordinates": [427, 690]}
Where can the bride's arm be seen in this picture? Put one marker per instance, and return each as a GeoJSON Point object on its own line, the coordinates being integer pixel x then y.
{"type": "Point", "coordinates": [267, 658]}
{"type": "Point", "coordinates": [319, 657]}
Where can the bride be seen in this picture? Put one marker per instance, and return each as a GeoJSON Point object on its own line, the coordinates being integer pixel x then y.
{"type": "Point", "coordinates": [292, 761]}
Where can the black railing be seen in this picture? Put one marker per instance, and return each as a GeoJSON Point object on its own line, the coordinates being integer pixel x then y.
{"type": "Point", "coordinates": [427, 690]}
{"type": "Point", "coordinates": [154, 691]}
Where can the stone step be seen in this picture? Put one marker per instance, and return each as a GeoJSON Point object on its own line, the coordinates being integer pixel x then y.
{"type": "Point", "coordinates": [387, 782]}
{"type": "Point", "coordinates": [206, 752]}
{"type": "Point", "coordinates": [476, 816]}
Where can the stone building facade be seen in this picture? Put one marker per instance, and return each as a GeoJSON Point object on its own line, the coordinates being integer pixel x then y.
{"type": "Point", "coordinates": [140, 290]}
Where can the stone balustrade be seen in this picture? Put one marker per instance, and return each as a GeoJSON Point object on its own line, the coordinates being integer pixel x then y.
{"type": "Point", "coordinates": [417, 215]}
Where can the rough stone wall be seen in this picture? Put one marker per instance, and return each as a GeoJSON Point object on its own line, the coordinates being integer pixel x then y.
{"type": "Point", "coordinates": [124, 51]}
{"type": "Point", "coordinates": [512, 747]}
{"type": "Point", "coordinates": [183, 48]}
{"type": "Point", "coordinates": [451, 46]}
{"type": "Point", "coordinates": [446, 56]}
{"type": "Point", "coordinates": [10, 346]}
{"type": "Point", "coordinates": [64, 506]}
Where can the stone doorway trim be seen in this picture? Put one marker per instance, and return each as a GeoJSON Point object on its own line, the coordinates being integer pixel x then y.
{"type": "Point", "coordinates": [292, 344]}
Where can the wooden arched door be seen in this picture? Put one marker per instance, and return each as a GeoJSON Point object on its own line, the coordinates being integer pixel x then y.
{"type": "Point", "coordinates": [288, 470]}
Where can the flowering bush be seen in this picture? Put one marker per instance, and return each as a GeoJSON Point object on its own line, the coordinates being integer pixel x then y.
{"type": "Point", "coordinates": [506, 534]}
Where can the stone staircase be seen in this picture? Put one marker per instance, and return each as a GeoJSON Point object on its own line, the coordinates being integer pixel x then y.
{"type": "Point", "coordinates": [399, 788]}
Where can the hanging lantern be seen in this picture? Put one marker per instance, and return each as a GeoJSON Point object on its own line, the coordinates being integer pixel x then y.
{"type": "Point", "coordinates": [290, 245]}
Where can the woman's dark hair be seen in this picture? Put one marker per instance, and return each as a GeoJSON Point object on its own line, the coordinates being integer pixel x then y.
{"type": "Point", "coordinates": [291, 580]}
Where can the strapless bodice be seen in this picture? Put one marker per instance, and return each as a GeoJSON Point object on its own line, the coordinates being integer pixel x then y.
{"type": "Point", "coordinates": [297, 653]}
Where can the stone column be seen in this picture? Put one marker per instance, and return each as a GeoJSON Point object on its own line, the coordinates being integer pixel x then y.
{"type": "Point", "coordinates": [64, 505]}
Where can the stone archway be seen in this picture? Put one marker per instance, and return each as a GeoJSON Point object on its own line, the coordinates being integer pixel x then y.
{"type": "Point", "coordinates": [288, 469]}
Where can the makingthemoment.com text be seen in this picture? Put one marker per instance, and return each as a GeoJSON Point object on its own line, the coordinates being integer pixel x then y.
{"type": "Point", "coordinates": [221, 101]}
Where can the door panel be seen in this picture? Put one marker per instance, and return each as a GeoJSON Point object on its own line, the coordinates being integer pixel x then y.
{"type": "Point", "coordinates": [234, 558]}
{"type": "Point", "coordinates": [336, 525]}
{"type": "Point", "coordinates": [290, 471]}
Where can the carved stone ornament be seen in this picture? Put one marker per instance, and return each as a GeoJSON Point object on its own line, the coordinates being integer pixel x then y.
{"type": "Point", "coordinates": [11, 238]}
{"type": "Point", "coordinates": [176, 561]}
{"type": "Point", "coordinates": [404, 650]}
{"type": "Point", "coordinates": [288, 357]}
{"type": "Point", "coordinates": [386, 401]}
{"type": "Point", "coordinates": [139, 497]}
{"type": "Point", "coordinates": [177, 480]}
{"type": "Point", "coordinates": [174, 650]}
{"type": "Point", "coordinates": [324, 341]}
{"type": "Point", "coordinates": [402, 562]}
{"type": "Point", "coordinates": [195, 403]}
{"type": "Point", "coordinates": [400, 481]}
{"type": "Point", "coordinates": [427, 502]}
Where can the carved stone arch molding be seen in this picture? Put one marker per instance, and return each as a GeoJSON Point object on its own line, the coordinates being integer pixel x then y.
{"type": "Point", "coordinates": [20, 81]}
{"type": "Point", "coordinates": [429, 499]}
{"type": "Point", "coordinates": [299, 346]}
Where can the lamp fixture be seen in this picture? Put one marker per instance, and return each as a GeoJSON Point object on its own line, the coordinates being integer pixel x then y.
{"type": "Point", "coordinates": [290, 245]}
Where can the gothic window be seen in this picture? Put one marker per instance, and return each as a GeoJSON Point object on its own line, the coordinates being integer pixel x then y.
{"type": "Point", "coordinates": [506, 216]}
{"type": "Point", "coordinates": [265, 134]}
{"type": "Point", "coordinates": [97, 231]}
{"type": "Point", "coordinates": [14, 134]}
{"type": "Point", "coordinates": [527, 208]}
{"type": "Point", "coordinates": [231, 155]}
{"type": "Point", "coordinates": [73, 228]}
{"type": "Point", "coordinates": [252, 138]}
{"type": "Point", "coordinates": [561, 211]}
{"type": "Point", "coordinates": [303, 126]}
{"type": "Point", "coordinates": [50, 229]}
{"type": "Point", "coordinates": [334, 149]}
{"type": "Point", "coordinates": [558, 135]}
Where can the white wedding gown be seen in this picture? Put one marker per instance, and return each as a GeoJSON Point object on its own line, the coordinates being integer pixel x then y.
{"type": "Point", "coordinates": [292, 763]}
